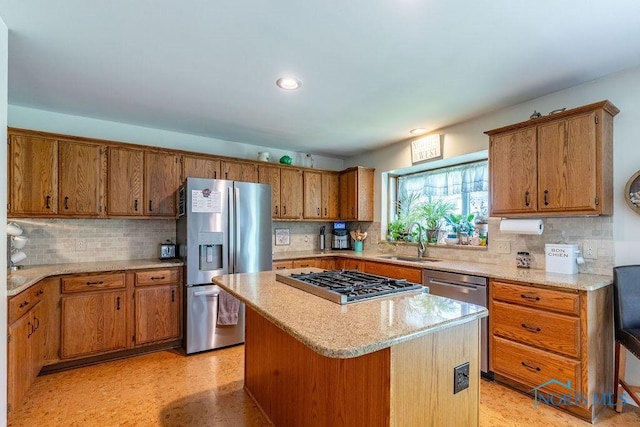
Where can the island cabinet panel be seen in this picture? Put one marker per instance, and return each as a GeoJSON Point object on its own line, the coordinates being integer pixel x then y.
{"type": "Point", "coordinates": [296, 386]}
{"type": "Point", "coordinates": [125, 171]}
{"type": "Point", "coordinates": [539, 334]}
{"type": "Point", "coordinates": [33, 175]}
{"type": "Point", "coordinates": [421, 379]}
{"type": "Point", "coordinates": [199, 167]}
{"type": "Point", "coordinates": [161, 175]}
{"type": "Point", "coordinates": [561, 164]}
{"type": "Point", "coordinates": [80, 179]}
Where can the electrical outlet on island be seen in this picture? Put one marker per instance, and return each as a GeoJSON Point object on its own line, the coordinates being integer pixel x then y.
{"type": "Point", "coordinates": [81, 245]}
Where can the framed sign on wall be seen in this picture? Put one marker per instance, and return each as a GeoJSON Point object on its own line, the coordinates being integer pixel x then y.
{"type": "Point", "coordinates": [427, 148]}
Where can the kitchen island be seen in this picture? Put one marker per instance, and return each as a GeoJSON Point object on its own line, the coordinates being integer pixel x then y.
{"type": "Point", "coordinates": [381, 362]}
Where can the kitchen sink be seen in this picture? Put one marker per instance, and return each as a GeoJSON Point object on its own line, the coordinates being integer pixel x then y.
{"type": "Point", "coordinates": [408, 258]}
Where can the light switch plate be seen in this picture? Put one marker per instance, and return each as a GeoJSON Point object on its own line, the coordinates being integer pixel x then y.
{"type": "Point", "coordinates": [502, 246]}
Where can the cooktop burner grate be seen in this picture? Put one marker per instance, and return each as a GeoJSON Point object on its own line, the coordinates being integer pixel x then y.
{"type": "Point", "coordinates": [345, 286]}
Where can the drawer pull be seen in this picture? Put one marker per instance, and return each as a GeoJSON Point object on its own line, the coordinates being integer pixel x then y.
{"type": "Point", "coordinates": [157, 278]}
{"type": "Point", "coordinates": [117, 303]}
{"type": "Point", "coordinates": [281, 268]}
{"type": "Point", "coordinates": [173, 295]}
{"type": "Point", "coordinates": [530, 328]}
{"type": "Point", "coordinates": [533, 368]}
{"type": "Point", "coordinates": [530, 298]}
{"type": "Point", "coordinates": [40, 292]}
{"type": "Point", "coordinates": [23, 304]}
{"type": "Point", "coordinates": [94, 283]}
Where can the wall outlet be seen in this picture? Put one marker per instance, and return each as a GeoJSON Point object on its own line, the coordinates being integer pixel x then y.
{"type": "Point", "coordinates": [81, 245]}
{"type": "Point", "coordinates": [502, 246]}
{"type": "Point", "coordinates": [460, 377]}
{"type": "Point", "coordinates": [589, 249]}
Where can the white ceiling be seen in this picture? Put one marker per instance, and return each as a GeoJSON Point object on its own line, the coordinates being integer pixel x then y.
{"type": "Point", "coordinates": [371, 69]}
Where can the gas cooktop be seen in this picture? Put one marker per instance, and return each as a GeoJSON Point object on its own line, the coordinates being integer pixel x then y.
{"type": "Point", "coordinates": [346, 286]}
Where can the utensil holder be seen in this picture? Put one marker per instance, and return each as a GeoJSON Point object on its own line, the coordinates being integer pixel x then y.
{"type": "Point", "coordinates": [358, 245]}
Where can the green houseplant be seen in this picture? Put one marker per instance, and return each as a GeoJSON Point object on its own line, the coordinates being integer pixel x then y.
{"type": "Point", "coordinates": [462, 225]}
{"type": "Point", "coordinates": [432, 213]}
{"type": "Point", "coordinates": [396, 230]}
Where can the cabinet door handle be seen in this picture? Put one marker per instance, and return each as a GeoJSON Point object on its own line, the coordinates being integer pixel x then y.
{"type": "Point", "coordinates": [150, 205]}
{"type": "Point", "coordinates": [318, 211]}
{"type": "Point", "coordinates": [173, 295]}
{"type": "Point", "coordinates": [226, 175]}
{"type": "Point", "coordinates": [546, 197]}
{"type": "Point", "coordinates": [530, 297]}
{"type": "Point", "coordinates": [94, 283]}
{"type": "Point", "coordinates": [530, 328]}
{"type": "Point", "coordinates": [47, 202]}
{"type": "Point", "coordinates": [37, 323]}
{"type": "Point", "coordinates": [117, 303]}
{"type": "Point", "coordinates": [23, 304]}
{"type": "Point", "coordinates": [66, 202]}
{"type": "Point", "coordinates": [277, 210]}
{"type": "Point", "coordinates": [527, 202]}
{"type": "Point", "coordinates": [157, 277]}
{"type": "Point", "coordinates": [284, 210]}
{"type": "Point", "coordinates": [30, 329]}
{"type": "Point", "coordinates": [215, 174]}
{"type": "Point", "coordinates": [353, 211]}
{"type": "Point", "coordinates": [325, 211]}
{"type": "Point", "coordinates": [135, 205]}
{"type": "Point", "coordinates": [533, 368]}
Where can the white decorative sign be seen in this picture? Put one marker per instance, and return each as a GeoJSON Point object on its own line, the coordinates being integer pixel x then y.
{"type": "Point", "coordinates": [206, 201]}
{"type": "Point", "coordinates": [427, 148]}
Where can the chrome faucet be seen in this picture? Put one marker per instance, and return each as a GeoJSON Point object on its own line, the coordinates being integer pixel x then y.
{"type": "Point", "coordinates": [421, 248]}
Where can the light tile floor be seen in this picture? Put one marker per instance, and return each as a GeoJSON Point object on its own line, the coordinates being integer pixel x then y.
{"type": "Point", "coordinates": [169, 389]}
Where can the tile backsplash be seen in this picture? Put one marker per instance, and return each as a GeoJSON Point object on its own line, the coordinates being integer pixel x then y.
{"type": "Point", "coordinates": [56, 241]}
{"type": "Point", "coordinates": [59, 241]}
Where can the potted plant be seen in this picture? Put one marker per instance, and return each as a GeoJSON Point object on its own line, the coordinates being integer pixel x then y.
{"type": "Point", "coordinates": [396, 230]}
{"type": "Point", "coordinates": [432, 213]}
{"type": "Point", "coordinates": [463, 226]}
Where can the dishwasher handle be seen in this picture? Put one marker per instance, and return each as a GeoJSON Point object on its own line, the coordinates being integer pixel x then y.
{"type": "Point", "coordinates": [455, 285]}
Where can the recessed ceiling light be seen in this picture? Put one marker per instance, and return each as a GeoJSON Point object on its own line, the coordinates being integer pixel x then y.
{"type": "Point", "coordinates": [417, 131]}
{"type": "Point", "coordinates": [288, 83]}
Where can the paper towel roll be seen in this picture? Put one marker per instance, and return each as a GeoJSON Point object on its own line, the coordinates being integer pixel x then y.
{"type": "Point", "coordinates": [522, 226]}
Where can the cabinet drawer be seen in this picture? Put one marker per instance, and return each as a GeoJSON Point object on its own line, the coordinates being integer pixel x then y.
{"type": "Point", "coordinates": [93, 283]}
{"type": "Point", "coordinates": [25, 301]}
{"type": "Point", "coordinates": [157, 277]}
{"type": "Point", "coordinates": [534, 367]}
{"type": "Point", "coordinates": [304, 263]}
{"type": "Point", "coordinates": [281, 265]}
{"type": "Point", "coordinates": [552, 331]}
{"type": "Point", "coordinates": [549, 299]}
{"type": "Point", "coordinates": [394, 271]}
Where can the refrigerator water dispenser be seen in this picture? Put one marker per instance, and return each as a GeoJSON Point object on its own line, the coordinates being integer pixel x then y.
{"type": "Point", "coordinates": [210, 250]}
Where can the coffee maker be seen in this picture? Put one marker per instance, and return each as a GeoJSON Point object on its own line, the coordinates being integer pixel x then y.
{"type": "Point", "coordinates": [340, 238]}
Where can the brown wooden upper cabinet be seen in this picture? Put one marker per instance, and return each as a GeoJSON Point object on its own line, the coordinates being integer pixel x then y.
{"type": "Point", "coordinates": [161, 174]}
{"type": "Point", "coordinates": [320, 195]}
{"type": "Point", "coordinates": [560, 164]}
{"type": "Point", "coordinates": [199, 167]}
{"type": "Point", "coordinates": [286, 190]}
{"type": "Point", "coordinates": [356, 194]}
{"type": "Point", "coordinates": [125, 170]}
{"type": "Point", "coordinates": [33, 175]}
{"type": "Point", "coordinates": [239, 171]}
{"type": "Point", "coordinates": [80, 178]}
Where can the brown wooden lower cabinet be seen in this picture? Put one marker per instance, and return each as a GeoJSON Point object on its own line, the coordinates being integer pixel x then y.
{"type": "Point", "coordinates": [157, 313]}
{"type": "Point", "coordinates": [553, 342]}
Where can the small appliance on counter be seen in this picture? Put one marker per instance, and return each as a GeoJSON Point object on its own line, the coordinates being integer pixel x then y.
{"type": "Point", "coordinates": [167, 250]}
{"type": "Point", "coordinates": [340, 236]}
{"type": "Point", "coordinates": [562, 258]}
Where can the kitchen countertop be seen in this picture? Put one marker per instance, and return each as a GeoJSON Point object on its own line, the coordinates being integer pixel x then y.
{"type": "Point", "coordinates": [19, 280]}
{"type": "Point", "coordinates": [581, 282]}
{"type": "Point", "coordinates": [350, 330]}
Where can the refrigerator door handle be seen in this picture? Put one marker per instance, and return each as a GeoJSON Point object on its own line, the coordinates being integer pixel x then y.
{"type": "Point", "coordinates": [237, 228]}
{"type": "Point", "coordinates": [231, 231]}
{"type": "Point", "coordinates": [213, 293]}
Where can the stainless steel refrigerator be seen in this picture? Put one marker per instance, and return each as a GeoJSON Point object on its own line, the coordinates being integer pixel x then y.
{"type": "Point", "coordinates": [223, 227]}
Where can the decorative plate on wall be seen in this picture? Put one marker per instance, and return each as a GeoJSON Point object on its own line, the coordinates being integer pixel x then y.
{"type": "Point", "coordinates": [632, 192]}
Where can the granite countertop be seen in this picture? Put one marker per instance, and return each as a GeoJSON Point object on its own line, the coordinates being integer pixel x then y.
{"type": "Point", "coordinates": [581, 282]}
{"type": "Point", "coordinates": [19, 280]}
{"type": "Point", "coordinates": [350, 330]}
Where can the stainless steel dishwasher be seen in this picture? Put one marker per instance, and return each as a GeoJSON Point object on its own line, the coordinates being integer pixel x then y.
{"type": "Point", "coordinates": [466, 288]}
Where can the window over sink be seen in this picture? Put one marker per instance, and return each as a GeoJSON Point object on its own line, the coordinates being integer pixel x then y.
{"type": "Point", "coordinates": [461, 190]}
